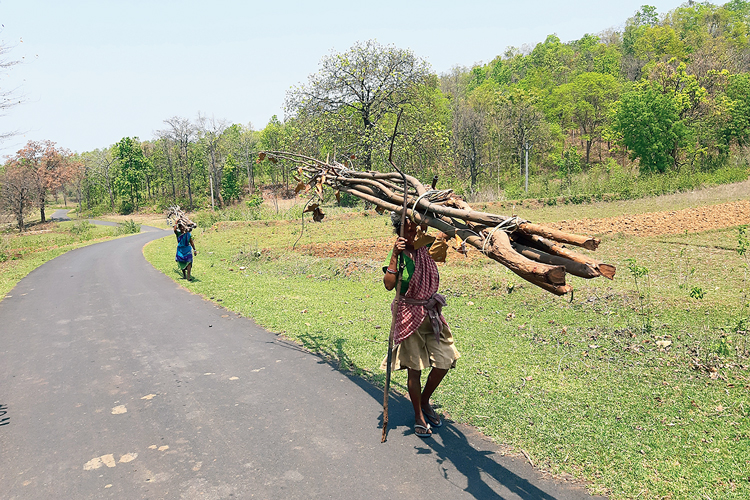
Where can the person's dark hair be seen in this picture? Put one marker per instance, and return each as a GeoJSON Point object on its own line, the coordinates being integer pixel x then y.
{"type": "Point", "coordinates": [396, 222]}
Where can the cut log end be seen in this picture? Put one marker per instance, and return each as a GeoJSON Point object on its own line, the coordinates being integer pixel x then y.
{"type": "Point", "coordinates": [556, 275]}
{"type": "Point", "coordinates": [592, 243]}
{"type": "Point", "coordinates": [607, 270]}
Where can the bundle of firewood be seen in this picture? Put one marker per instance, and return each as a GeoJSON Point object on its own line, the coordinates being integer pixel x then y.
{"type": "Point", "coordinates": [175, 215]}
{"type": "Point", "coordinates": [534, 252]}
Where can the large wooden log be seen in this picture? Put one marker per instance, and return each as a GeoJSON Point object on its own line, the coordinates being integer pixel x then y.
{"type": "Point", "coordinates": [586, 242]}
{"type": "Point", "coordinates": [498, 248]}
{"type": "Point", "coordinates": [574, 268]}
{"type": "Point", "coordinates": [550, 247]}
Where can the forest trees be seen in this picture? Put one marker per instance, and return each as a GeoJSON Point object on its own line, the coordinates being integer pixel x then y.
{"type": "Point", "coordinates": [671, 92]}
{"type": "Point", "coordinates": [231, 189]}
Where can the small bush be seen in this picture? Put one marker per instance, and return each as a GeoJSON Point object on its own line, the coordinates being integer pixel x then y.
{"type": "Point", "coordinates": [254, 201]}
{"type": "Point", "coordinates": [4, 248]}
{"type": "Point", "coordinates": [126, 208]}
{"type": "Point", "coordinates": [128, 227]}
{"type": "Point", "coordinates": [81, 228]}
{"type": "Point", "coordinates": [207, 219]}
{"type": "Point", "coordinates": [349, 200]}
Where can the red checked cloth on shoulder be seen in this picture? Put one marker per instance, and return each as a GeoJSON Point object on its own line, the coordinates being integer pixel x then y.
{"type": "Point", "coordinates": [420, 299]}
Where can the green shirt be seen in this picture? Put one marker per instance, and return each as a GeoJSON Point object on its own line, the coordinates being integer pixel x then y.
{"type": "Point", "coordinates": [408, 269]}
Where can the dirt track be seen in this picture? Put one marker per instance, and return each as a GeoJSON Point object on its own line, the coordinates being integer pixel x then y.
{"type": "Point", "coordinates": [691, 220]}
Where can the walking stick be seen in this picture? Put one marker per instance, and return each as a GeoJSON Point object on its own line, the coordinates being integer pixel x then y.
{"type": "Point", "coordinates": [399, 271]}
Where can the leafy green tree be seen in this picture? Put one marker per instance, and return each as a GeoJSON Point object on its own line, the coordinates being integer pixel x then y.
{"type": "Point", "coordinates": [738, 128]}
{"type": "Point", "coordinates": [133, 164]}
{"type": "Point", "coordinates": [274, 138]}
{"type": "Point", "coordinates": [584, 103]}
{"type": "Point", "coordinates": [101, 172]}
{"type": "Point", "coordinates": [650, 126]}
{"type": "Point", "coordinates": [231, 184]}
{"type": "Point", "coordinates": [549, 64]}
{"type": "Point", "coordinates": [242, 141]}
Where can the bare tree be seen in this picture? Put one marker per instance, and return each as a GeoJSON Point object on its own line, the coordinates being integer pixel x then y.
{"type": "Point", "coordinates": [182, 133]}
{"type": "Point", "coordinates": [521, 122]}
{"type": "Point", "coordinates": [357, 89]}
{"type": "Point", "coordinates": [8, 97]}
{"type": "Point", "coordinates": [167, 146]}
{"type": "Point", "coordinates": [469, 133]}
{"type": "Point", "coordinates": [211, 131]}
{"type": "Point", "coordinates": [79, 173]}
{"type": "Point", "coordinates": [101, 167]}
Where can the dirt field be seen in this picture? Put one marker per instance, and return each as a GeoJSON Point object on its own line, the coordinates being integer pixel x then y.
{"type": "Point", "coordinates": [692, 220]}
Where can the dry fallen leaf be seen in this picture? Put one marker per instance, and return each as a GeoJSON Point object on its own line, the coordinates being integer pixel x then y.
{"type": "Point", "coordinates": [318, 214]}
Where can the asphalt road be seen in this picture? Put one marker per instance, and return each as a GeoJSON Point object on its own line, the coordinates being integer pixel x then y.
{"type": "Point", "coordinates": [62, 215]}
{"type": "Point", "coordinates": [115, 382]}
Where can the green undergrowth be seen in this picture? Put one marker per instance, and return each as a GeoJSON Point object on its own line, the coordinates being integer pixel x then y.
{"type": "Point", "coordinates": [641, 392]}
{"type": "Point", "coordinates": [609, 181]}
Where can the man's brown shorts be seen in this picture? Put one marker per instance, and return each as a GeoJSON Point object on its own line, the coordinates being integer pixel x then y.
{"type": "Point", "coordinates": [420, 350]}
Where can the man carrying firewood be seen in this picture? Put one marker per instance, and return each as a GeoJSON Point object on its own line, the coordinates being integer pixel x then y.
{"type": "Point", "coordinates": [421, 334]}
{"type": "Point", "coordinates": [185, 248]}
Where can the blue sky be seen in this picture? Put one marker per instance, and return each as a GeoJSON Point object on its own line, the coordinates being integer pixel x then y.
{"type": "Point", "coordinates": [93, 72]}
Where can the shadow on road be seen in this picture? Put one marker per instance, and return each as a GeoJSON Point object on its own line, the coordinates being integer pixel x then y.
{"type": "Point", "coordinates": [459, 461]}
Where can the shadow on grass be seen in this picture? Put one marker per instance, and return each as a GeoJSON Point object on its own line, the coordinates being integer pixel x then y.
{"type": "Point", "coordinates": [178, 272]}
{"type": "Point", "coordinates": [475, 471]}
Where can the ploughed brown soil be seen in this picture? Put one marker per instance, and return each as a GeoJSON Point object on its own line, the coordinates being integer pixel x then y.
{"type": "Point", "coordinates": [647, 224]}
{"type": "Point", "coordinates": [692, 220]}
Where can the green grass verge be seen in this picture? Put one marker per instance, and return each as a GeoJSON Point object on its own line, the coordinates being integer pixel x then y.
{"type": "Point", "coordinates": [22, 253]}
{"type": "Point", "coordinates": [644, 398]}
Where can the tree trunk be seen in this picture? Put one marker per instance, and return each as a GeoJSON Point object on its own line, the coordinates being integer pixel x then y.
{"type": "Point", "coordinates": [190, 192]}
{"type": "Point", "coordinates": [19, 217]}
